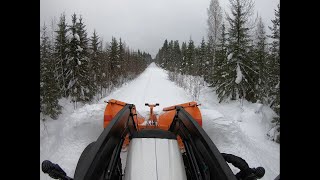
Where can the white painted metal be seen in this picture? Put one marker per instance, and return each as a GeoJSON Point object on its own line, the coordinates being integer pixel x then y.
{"type": "Point", "coordinates": [154, 159]}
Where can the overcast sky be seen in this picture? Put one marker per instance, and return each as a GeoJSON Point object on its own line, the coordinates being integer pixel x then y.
{"type": "Point", "coordinates": [144, 24]}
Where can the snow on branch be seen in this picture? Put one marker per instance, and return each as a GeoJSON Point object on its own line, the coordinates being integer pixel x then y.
{"type": "Point", "coordinates": [76, 36]}
{"type": "Point", "coordinates": [239, 74]}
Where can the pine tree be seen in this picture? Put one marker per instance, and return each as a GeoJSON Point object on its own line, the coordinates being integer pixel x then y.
{"type": "Point", "coordinates": [261, 55]}
{"type": "Point", "coordinates": [190, 57]}
{"type": "Point", "coordinates": [183, 66]}
{"type": "Point", "coordinates": [95, 63]}
{"type": "Point", "coordinates": [239, 82]}
{"type": "Point", "coordinates": [49, 91]}
{"type": "Point", "coordinates": [78, 76]}
{"type": "Point", "coordinates": [195, 68]}
{"type": "Point", "coordinates": [85, 82]}
{"type": "Point", "coordinates": [114, 61]}
{"type": "Point", "coordinates": [202, 58]}
{"type": "Point", "coordinates": [169, 62]}
{"type": "Point", "coordinates": [105, 69]}
{"type": "Point", "coordinates": [209, 66]}
{"type": "Point", "coordinates": [126, 59]}
{"type": "Point", "coordinates": [71, 68]}
{"type": "Point", "coordinates": [121, 57]}
{"type": "Point", "coordinates": [164, 54]}
{"type": "Point", "coordinates": [73, 61]}
{"type": "Point", "coordinates": [177, 56]}
{"type": "Point", "coordinates": [274, 66]}
{"type": "Point", "coordinates": [220, 76]}
{"type": "Point", "coordinates": [61, 55]}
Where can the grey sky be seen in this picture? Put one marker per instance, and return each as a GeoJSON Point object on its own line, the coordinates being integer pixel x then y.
{"type": "Point", "coordinates": [144, 24]}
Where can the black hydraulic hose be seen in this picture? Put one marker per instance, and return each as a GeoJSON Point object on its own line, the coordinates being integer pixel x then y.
{"type": "Point", "coordinates": [236, 161]}
{"type": "Point", "coordinates": [246, 173]}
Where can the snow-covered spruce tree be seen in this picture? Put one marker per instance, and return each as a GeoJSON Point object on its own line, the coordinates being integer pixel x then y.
{"type": "Point", "coordinates": [121, 58]}
{"type": "Point", "coordinates": [73, 61]}
{"type": "Point", "coordinates": [260, 56]}
{"type": "Point", "coordinates": [220, 76]}
{"type": "Point", "coordinates": [53, 29]}
{"type": "Point", "coordinates": [61, 55]}
{"type": "Point", "coordinates": [135, 58]}
{"type": "Point", "coordinates": [197, 71]}
{"type": "Point", "coordinates": [170, 63]}
{"type": "Point", "coordinates": [195, 63]}
{"type": "Point", "coordinates": [239, 82]}
{"type": "Point", "coordinates": [137, 62]}
{"type": "Point", "coordinates": [157, 58]}
{"type": "Point", "coordinates": [183, 66]}
{"type": "Point", "coordinates": [114, 60]}
{"type": "Point", "coordinates": [177, 57]}
{"type": "Point", "coordinates": [202, 54]}
{"type": "Point", "coordinates": [126, 64]}
{"type": "Point", "coordinates": [274, 66]}
{"type": "Point", "coordinates": [164, 54]}
{"type": "Point", "coordinates": [42, 64]}
{"type": "Point", "coordinates": [49, 90]}
{"type": "Point", "coordinates": [141, 61]}
{"type": "Point", "coordinates": [208, 70]}
{"type": "Point", "coordinates": [95, 62]}
{"type": "Point", "coordinates": [86, 84]}
{"type": "Point", "coordinates": [42, 67]}
{"type": "Point", "coordinates": [190, 58]}
{"type": "Point", "coordinates": [146, 60]}
{"type": "Point", "coordinates": [102, 67]}
{"type": "Point", "coordinates": [105, 70]}
{"type": "Point", "coordinates": [78, 76]}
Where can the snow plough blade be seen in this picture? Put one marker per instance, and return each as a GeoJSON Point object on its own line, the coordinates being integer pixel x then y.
{"type": "Point", "coordinates": [163, 122]}
{"type": "Point", "coordinates": [166, 118]}
{"type": "Point", "coordinates": [113, 107]}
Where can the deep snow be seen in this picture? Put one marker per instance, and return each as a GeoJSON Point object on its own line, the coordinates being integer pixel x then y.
{"type": "Point", "coordinates": [236, 129]}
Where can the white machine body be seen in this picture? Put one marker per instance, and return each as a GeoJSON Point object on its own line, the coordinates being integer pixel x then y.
{"type": "Point", "coordinates": [154, 159]}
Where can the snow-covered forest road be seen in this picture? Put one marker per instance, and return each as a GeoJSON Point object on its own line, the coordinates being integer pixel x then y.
{"type": "Point", "coordinates": [234, 129]}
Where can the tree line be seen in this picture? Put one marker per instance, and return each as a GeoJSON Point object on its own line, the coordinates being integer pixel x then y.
{"type": "Point", "coordinates": [237, 60]}
{"type": "Point", "coordinates": [78, 67]}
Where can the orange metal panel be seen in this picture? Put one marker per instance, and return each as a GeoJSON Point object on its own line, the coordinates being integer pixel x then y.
{"type": "Point", "coordinates": [164, 121]}
{"type": "Point", "coordinates": [166, 118]}
{"type": "Point", "coordinates": [113, 107]}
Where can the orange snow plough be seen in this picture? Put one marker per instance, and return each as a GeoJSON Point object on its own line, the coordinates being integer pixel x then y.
{"type": "Point", "coordinates": [163, 121]}
{"type": "Point", "coordinates": [172, 143]}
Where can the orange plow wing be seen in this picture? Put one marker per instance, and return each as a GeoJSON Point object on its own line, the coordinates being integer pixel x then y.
{"type": "Point", "coordinates": [166, 118]}
{"type": "Point", "coordinates": [113, 107]}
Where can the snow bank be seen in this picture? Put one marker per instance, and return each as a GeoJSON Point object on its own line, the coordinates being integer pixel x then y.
{"type": "Point", "coordinates": [241, 130]}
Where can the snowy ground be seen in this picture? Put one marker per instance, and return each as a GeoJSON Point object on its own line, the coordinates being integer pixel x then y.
{"type": "Point", "coordinates": [234, 129]}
